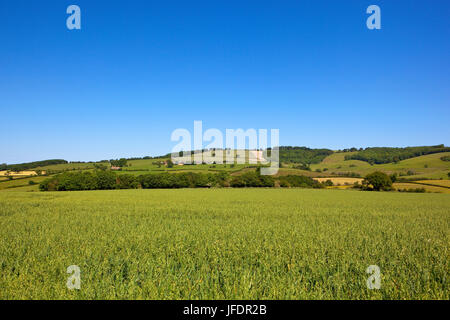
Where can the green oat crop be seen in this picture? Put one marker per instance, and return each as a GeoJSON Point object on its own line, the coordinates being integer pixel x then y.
{"type": "Point", "coordinates": [224, 244]}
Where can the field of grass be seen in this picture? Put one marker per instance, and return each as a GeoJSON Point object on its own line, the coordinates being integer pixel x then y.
{"type": "Point", "coordinates": [68, 166]}
{"type": "Point", "coordinates": [224, 244]}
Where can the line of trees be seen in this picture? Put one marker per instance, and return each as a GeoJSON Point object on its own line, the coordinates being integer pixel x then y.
{"type": "Point", "coordinates": [252, 180]}
{"type": "Point", "coordinates": [86, 180]}
{"type": "Point", "coordinates": [107, 180]}
{"type": "Point", "coordinates": [31, 165]}
{"type": "Point", "coordinates": [303, 155]}
{"type": "Point", "coordinates": [122, 162]}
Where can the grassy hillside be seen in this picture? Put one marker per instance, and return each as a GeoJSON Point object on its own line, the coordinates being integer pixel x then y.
{"type": "Point", "coordinates": [428, 166]}
{"type": "Point", "coordinates": [390, 155]}
{"type": "Point", "coordinates": [224, 244]}
{"type": "Point", "coordinates": [21, 184]}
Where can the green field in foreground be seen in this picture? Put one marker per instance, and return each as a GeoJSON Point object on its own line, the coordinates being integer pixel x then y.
{"type": "Point", "coordinates": [224, 244]}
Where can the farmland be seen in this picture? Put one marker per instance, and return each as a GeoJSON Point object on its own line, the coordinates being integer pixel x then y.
{"type": "Point", "coordinates": [427, 187]}
{"type": "Point", "coordinates": [428, 166]}
{"type": "Point", "coordinates": [224, 244]}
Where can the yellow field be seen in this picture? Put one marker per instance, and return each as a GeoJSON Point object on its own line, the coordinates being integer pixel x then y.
{"type": "Point", "coordinates": [440, 183]}
{"type": "Point", "coordinates": [17, 174]}
{"type": "Point", "coordinates": [340, 180]}
{"type": "Point", "coordinates": [404, 185]}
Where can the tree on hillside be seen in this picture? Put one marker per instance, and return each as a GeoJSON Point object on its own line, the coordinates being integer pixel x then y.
{"type": "Point", "coordinates": [377, 181]}
{"type": "Point", "coordinates": [100, 166]}
{"type": "Point", "coordinates": [119, 163]}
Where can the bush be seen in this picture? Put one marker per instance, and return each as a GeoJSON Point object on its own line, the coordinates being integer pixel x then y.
{"type": "Point", "coordinates": [163, 181]}
{"type": "Point", "coordinates": [126, 181]}
{"type": "Point", "coordinates": [180, 180]}
{"type": "Point", "coordinates": [119, 162]}
{"type": "Point", "coordinates": [219, 180]}
{"type": "Point", "coordinates": [393, 177]}
{"type": "Point", "coordinates": [377, 181]}
{"type": "Point", "coordinates": [302, 167]}
{"type": "Point", "coordinates": [100, 167]}
{"type": "Point", "coordinates": [284, 184]}
{"type": "Point", "coordinates": [416, 190]}
{"type": "Point", "coordinates": [237, 182]}
{"type": "Point", "coordinates": [77, 181]}
{"type": "Point", "coordinates": [253, 180]}
{"type": "Point", "coordinates": [105, 180]}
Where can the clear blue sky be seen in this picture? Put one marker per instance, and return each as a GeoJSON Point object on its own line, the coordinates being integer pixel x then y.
{"type": "Point", "coordinates": [137, 70]}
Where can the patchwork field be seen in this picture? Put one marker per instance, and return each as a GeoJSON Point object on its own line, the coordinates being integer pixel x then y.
{"type": "Point", "coordinates": [224, 244]}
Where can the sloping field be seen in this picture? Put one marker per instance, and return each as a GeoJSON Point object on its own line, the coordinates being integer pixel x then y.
{"type": "Point", "coordinates": [440, 183]}
{"type": "Point", "coordinates": [68, 166]}
{"type": "Point", "coordinates": [18, 183]}
{"type": "Point", "coordinates": [297, 172]}
{"type": "Point", "coordinates": [428, 166]}
{"type": "Point", "coordinates": [224, 244]}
